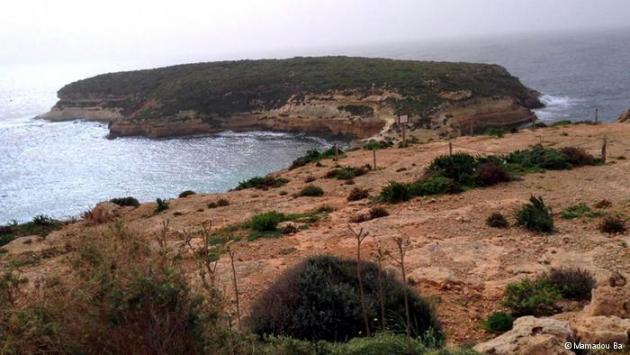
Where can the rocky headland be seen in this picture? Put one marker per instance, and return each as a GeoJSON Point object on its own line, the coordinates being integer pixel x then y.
{"type": "Point", "coordinates": [356, 97]}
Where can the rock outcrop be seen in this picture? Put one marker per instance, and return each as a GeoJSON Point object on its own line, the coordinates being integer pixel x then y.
{"type": "Point", "coordinates": [625, 117]}
{"type": "Point", "coordinates": [531, 335]}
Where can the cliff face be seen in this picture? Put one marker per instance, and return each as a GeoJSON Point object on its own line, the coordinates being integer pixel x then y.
{"type": "Point", "coordinates": [357, 97]}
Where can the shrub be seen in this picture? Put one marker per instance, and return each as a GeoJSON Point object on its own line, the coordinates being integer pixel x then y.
{"type": "Point", "coordinates": [310, 178]}
{"type": "Point", "coordinates": [572, 283]}
{"type": "Point", "coordinates": [218, 203]}
{"type": "Point", "coordinates": [395, 192]}
{"type": "Point", "coordinates": [495, 132]}
{"type": "Point", "coordinates": [497, 220]}
{"type": "Point", "coordinates": [357, 110]}
{"type": "Point", "coordinates": [44, 221]}
{"type": "Point", "coordinates": [262, 183]}
{"type": "Point", "coordinates": [603, 204]}
{"type": "Point", "coordinates": [266, 222]}
{"type": "Point", "coordinates": [539, 124]}
{"type": "Point", "coordinates": [318, 300]}
{"type": "Point", "coordinates": [460, 167]}
{"type": "Point", "coordinates": [575, 211]}
{"type": "Point", "coordinates": [578, 156]}
{"type": "Point", "coordinates": [434, 185]}
{"type": "Point", "coordinates": [125, 201]}
{"type": "Point", "coordinates": [378, 212]}
{"type": "Point", "coordinates": [498, 322]}
{"type": "Point", "coordinates": [531, 297]}
{"type": "Point", "coordinates": [491, 173]}
{"type": "Point", "coordinates": [186, 193]}
{"type": "Point", "coordinates": [613, 225]}
{"type": "Point", "coordinates": [347, 172]}
{"type": "Point", "coordinates": [374, 144]}
{"type": "Point", "coordinates": [539, 157]}
{"type": "Point", "coordinates": [358, 194]}
{"type": "Point", "coordinates": [162, 205]}
{"type": "Point", "coordinates": [314, 156]}
{"type": "Point", "coordinates": [535, 216]}
{"type": "Point", "coordinates": [311, 191]}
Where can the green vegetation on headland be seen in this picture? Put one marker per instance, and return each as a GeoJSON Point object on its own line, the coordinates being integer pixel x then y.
{"type": "Point", "coordinates": [221, 89]}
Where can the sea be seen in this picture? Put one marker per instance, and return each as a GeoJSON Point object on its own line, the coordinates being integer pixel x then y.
{"type": "Point", "coordinates": [64, 168]}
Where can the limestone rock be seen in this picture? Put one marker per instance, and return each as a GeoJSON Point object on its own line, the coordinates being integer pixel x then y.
{"type": "Point", "coordinates": [531, 335]}
{"type": "Point", "coordinates": [610, 301]}
{"type": "Point", "coordinates": [601, 329]}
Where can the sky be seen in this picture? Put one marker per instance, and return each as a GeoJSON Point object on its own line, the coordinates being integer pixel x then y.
{"type": "Point", "coordinates": [168, 32]}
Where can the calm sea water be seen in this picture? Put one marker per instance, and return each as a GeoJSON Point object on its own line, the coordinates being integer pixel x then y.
{"type": "Point", "coordinates": [61, 169]}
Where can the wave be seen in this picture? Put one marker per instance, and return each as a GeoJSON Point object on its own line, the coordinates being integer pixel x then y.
{"type": "Point", "coordinates": [556, 107]}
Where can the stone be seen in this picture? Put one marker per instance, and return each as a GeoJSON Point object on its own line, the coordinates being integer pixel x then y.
{"type": "Point", "coordinates": [617, 280]}
{"type": "Point", "coordinates": [601, 329]}
{"type": "Point", "coordinates": [531, 335]}
{"type": "Point", "coordinates": [610, 301]}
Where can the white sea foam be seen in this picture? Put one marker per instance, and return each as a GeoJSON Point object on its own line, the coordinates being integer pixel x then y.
{"type": "Point", "coordinates": [556, 107]}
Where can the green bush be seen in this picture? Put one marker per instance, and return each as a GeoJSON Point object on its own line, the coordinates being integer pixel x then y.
{"type": "Point", "coordinates": [125, 201]}
{"type": "Point", "coordinates": [318, 299]}
{"type": "Point", "coordinates": [531, 297]}
{"type": "Point", "coordinates": [395, 192]}
{"type": "Point", "coordinates": [347, 172]}
{"type": "Point", "coordinates": [613, 225]}
{"type": "Point", "coordinates": [314, 156]}
{"type": "Point", "coordinates": [535, 216]}
{"type": "Point", "coordinates": [375, 145]}
{"type": "Point", "coordinates": [162, 205]}
{"type": "Point", "coordinates": [266, 222]}
{"type": "Point", "coordinates": [311, 191]}
{"type": "Point", "coordinates": [498, 322]}
{"type": "Point", "coordinates": [460, 167]}
{"type": "Point", "coordinates": [434, 185]}
{"type": "Point", "coordinates": [539, 157]}
{"type": "Point", "coordinates": [186, 193]}
{"type": "Point", "coordinates": [262, 183]}
{"type": "Point", "coordinates": [572, 283]}
{"type": "Point", "coordinates": [491, 172]}
{"type": "Point", "coordinates": [497, 220]}
{"type": "Point", "coordinates": [358, 194]}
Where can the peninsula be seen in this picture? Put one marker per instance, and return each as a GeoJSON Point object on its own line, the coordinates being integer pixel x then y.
{"type": "Point", "coordinates": [357, 97]}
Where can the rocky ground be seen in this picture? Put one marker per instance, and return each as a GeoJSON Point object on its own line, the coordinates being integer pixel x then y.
{"type": "Point", "coordinates": [455, 260]}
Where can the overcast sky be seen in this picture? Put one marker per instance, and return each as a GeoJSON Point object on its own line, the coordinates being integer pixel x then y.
{"type": "Point", "coordinates": [34, 31]}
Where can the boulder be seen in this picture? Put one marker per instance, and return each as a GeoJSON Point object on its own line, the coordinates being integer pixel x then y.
{"type": "Point", "coordinates": [601, 329]}
{"type": "Point", "coordinates": [610, 301]}
{"type": "Point", "coordinates": [531, 335]}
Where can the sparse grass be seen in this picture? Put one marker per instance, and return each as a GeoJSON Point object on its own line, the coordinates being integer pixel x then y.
{"type": "Point", "coordinates": [311, 191]}
{"type": "Point", "coordinates": [536, 216]}
{"type": "Point", "coordinates": [497, 220]}
{"type": "Point", "coordinates": [126, 201]}
{"type": "Point", "coordinates": [262, 183]}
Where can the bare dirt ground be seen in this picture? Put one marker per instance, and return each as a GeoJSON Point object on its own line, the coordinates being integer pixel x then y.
{"type": "Point", "coordinates": [455, 260]}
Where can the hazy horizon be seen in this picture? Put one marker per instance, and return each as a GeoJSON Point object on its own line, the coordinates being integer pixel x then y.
{"type": "Point", "coordinates": [164, 33]}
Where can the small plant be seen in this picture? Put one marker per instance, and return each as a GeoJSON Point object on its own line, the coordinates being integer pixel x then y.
{"type": "Point", "coordinates": [262, 183]}
{"type": "Point", "coordinates": [358, 194]}
{"type": "Point", "coordinates": [572, 283]}
{"type": "Point", "coordinates": [395, 192]}
{"type": "Point", "coordinates": [531, 297]}
{"type": "Point", "coordinates": [311, 191]}
{"type": "Point", "coordinates": [162, 205]}
{"type": "Point", "coordinates": [498, 322]}
{"type": "Point", "coordinates": [575, 211]}
{"type": "Point", "coordinates": [266, 222]}
{"type": "Point", "coordinates": [578, 156]}
{"type": "Point", "coordinates": [218, 203]}
{"type": "Point", "coordinates": [186, 193]}
{"type": "Point", "coordinates": [497, 220]}
{"type": "Point", "coordinates": [491, 173]}
{"type": "Point", "coordinates": [347, 172]}
{"type": "Point", "coordinates": [125, 201]}
{"type": "Point", "coordinates": [535, 216]}
{"type": "Point", "coordinates": [613, 225]}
